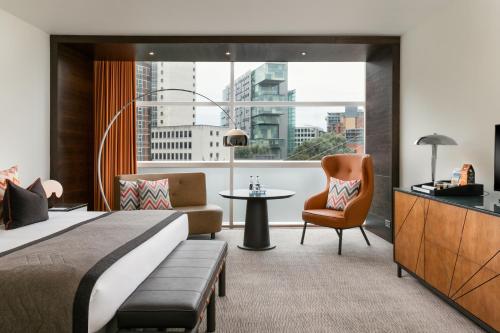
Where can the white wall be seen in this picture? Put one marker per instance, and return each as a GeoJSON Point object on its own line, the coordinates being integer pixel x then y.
{"type": "Point", "coordinates": [24, 98]}
{"type": "Point", "coordinates": [450, 84]}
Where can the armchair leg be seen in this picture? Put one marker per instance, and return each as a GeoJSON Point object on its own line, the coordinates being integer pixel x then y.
{"type": "Point", "coordinates": [339, 232]}
{"type": "Point", "coordinates": [364, 235]}
{"type": "Point", "coordinates": [212, 235]}
{"type": "Point", "coordinates": [303, 234]}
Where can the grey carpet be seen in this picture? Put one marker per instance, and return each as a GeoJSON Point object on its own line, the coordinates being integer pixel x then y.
{"type": "Point", "coordinates": [310, 288]}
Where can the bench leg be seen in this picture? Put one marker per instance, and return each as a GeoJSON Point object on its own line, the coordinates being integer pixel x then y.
{"type": "Point", "coordinates": [211, 313]}
{"type": "Point", "coordinates": [222, 281]}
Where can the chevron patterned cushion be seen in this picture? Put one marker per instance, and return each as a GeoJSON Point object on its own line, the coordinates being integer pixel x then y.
{"type": "Point", "coordinates": [341, 192]}
{"type": "Point", "coordinates": [9, 174]}
{"type": "Point", "coordinates": [154, 194]}
{"type": "Point", "coordinates": [129, 195]}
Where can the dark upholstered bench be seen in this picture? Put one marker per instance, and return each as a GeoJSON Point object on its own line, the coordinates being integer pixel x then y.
{"type": "Point", "coordinates": [176, 294]}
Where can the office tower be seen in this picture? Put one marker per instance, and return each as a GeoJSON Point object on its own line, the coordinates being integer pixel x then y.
{"type": "Point", "coordinates": [145, 82]}
{"type": "Point", "coordinates": [334, 122]}
{"type": "Point", "coordinates": [271, 128]}
{"type": "Point", "coordinates": [351, 124]}
{"type": "Point", "coordinates": [291, 123]}
{"type": "Point", "coordinates": [306, 133]}
{"type": "Point", "coordinates": [178, 75]}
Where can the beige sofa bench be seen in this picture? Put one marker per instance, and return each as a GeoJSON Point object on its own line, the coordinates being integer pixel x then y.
{"type": "Point", "coordinates": [188, 194]}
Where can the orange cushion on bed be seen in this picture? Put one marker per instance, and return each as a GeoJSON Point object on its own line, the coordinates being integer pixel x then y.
{"type": "Point", "coordinates": [9, 174]}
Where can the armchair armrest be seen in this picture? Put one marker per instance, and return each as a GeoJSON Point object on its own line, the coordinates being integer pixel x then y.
{"type": "Point", "coordinates": [317, 201]}
{"type": "Point", "coordinates": [357, 209]}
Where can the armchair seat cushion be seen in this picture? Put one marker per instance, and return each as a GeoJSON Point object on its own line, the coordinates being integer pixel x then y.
{"type": "Point", "coordinates": [324, 217]}
{"type": "Point", "coordinates": [203, 219]}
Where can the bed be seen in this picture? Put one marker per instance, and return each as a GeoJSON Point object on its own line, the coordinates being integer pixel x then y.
{"type": "Point", "coordinates": [121, 278]}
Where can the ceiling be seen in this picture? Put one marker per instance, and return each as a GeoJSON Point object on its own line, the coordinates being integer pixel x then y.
{"type": "Point", "coordinates": [224, 17]}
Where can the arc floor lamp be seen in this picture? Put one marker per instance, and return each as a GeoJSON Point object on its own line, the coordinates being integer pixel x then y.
{"type": "Point", "coordinates": [234, 137]}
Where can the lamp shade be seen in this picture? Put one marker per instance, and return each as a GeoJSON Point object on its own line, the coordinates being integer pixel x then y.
{"type": "Point", "coordinates": [235, 138]}
{"type": "Point", "coordinates": [52, 187]}
{"type": "Point", "coordinates": [436, 139]}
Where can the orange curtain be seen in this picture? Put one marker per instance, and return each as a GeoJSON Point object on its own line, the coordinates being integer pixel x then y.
{"type": "Point", "coordinates": [114, 86]}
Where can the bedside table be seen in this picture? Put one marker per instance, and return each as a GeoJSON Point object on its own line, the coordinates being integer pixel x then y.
{"type": "Point", "coordinates": [67, 207]}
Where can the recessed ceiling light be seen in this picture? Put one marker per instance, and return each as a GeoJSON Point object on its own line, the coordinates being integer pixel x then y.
{"type": "Point", "coordinates": [151, 53]}
{"type": "Point", "coordinates": [304, 53]}
{"type": "Point", "coordinates": [228, 53]}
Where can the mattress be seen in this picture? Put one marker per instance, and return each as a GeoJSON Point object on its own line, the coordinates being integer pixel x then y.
{"type": "Point", "coordinates": [122, 278]}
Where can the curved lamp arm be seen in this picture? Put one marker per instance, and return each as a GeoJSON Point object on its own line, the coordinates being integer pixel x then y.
{"type": "Point", "coordinates": [120, 111]}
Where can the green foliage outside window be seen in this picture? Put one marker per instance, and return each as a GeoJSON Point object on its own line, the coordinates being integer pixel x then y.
{"type": "Point", "coordinates": [317, 148]}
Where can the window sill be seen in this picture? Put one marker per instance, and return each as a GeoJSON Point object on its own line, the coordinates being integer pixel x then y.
{"type": "Point", "coordinates": [228, 164]}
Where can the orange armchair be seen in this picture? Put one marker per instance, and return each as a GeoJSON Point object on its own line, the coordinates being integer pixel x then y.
{"type": "Point", "coordinates": [344, 167]}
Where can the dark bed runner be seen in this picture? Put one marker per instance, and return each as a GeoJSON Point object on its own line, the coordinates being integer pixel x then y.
{"type": "Point", "coordinates": [45, 286]}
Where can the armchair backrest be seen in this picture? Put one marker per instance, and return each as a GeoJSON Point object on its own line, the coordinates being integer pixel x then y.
{"type": "Point", "coordinates": [351, 167]}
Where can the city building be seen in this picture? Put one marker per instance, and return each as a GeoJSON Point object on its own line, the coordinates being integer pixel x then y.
{"type": "Point", "coordinates": [151, 76]}
{"type": "Point", "coordinates": [271, 128]}
{"type": "Point", "coordinates": [306, 133]}
{"type": "Point", "coordinates": [334, 122]}
{"type": "Point", "coordinates": [349, 123]}
{"type": "Point", "coordinates": [177, 75]}
{"type": "Point", "coordinates": [189, 143]}
{"type": "Point", "coordinates": [145, 72]}
{"type": "Point", "coordinates": [176, 136]}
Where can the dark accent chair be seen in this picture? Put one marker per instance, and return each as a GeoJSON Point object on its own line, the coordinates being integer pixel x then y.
{"type": "Point", "coordinates": [344, 167]}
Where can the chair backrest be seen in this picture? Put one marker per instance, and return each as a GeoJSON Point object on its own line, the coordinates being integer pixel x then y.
{"type": "Point", "coordinates": [185, 189]}
{"type": "Point", "coordinates": [351, 167]}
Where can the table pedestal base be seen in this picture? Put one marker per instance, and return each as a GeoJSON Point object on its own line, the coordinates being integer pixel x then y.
{"type": "Point", "coordinates": [243, 247]}
{"type": "Point", "coordinates": [256, 226]}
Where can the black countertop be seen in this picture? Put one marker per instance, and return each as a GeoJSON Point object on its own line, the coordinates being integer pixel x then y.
{"type": "Point", "coordinates": [488, 204]}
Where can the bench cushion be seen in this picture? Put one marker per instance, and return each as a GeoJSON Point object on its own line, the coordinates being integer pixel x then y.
{"type": "Point", "coordinates": [175, 294]}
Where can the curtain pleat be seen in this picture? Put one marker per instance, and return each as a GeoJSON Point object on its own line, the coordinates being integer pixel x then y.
{"type": "Point", "coordinates": [114, 86]}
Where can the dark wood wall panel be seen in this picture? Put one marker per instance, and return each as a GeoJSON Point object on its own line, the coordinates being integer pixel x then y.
{"type": "Point", "coordinates": [71, 106]}
{"type": "Point", "coordinates": [382, 132]}
{"type": "Point", "coordinates": [71, 95]}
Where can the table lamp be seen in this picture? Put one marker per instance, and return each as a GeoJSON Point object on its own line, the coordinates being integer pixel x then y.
{"type": "Point", "coordinates": [435, 140]}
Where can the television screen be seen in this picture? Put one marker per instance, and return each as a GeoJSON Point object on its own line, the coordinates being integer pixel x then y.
{"type": "Point", "coordinates": [497, 158]}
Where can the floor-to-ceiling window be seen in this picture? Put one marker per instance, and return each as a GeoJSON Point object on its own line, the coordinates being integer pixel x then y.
{"type": "Point", "coordinates": [293, 112]}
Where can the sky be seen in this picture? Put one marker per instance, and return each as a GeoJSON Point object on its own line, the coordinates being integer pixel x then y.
{"type": "Point", "coordinates": [314, 81]}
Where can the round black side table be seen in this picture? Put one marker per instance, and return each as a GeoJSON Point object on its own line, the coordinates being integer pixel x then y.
{"type": "Point", "coordinates": [256, 236]}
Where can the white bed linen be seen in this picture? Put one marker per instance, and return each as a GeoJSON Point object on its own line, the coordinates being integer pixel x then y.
{"type": "Point", "coordinates": [122, 278]}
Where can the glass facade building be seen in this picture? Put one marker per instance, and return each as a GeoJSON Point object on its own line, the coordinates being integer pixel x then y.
{"type": "Point", "coordinates": [271, 129]}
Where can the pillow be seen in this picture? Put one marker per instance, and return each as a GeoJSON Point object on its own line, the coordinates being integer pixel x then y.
{"type": "Point", "coordinates": [24, 206]}
{"type": "Point", "coordinates": [9, 174]}
{"type": "Point", "coordinates": [154, 194]}
{"type": "Point", "coordinates": [129, 195]}
{"type": "Point", "coordinates": [341, 192]}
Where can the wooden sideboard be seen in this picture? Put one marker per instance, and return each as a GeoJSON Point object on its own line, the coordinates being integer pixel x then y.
{"type": "Point", "coordinates": [453, 247]}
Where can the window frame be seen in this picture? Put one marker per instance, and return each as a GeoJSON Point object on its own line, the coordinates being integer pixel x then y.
{"type": "Point", "coordinates": [231, 105]}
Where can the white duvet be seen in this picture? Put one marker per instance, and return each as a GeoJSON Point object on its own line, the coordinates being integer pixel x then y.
{"type": "Point", "coordinates": [122, 278]}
